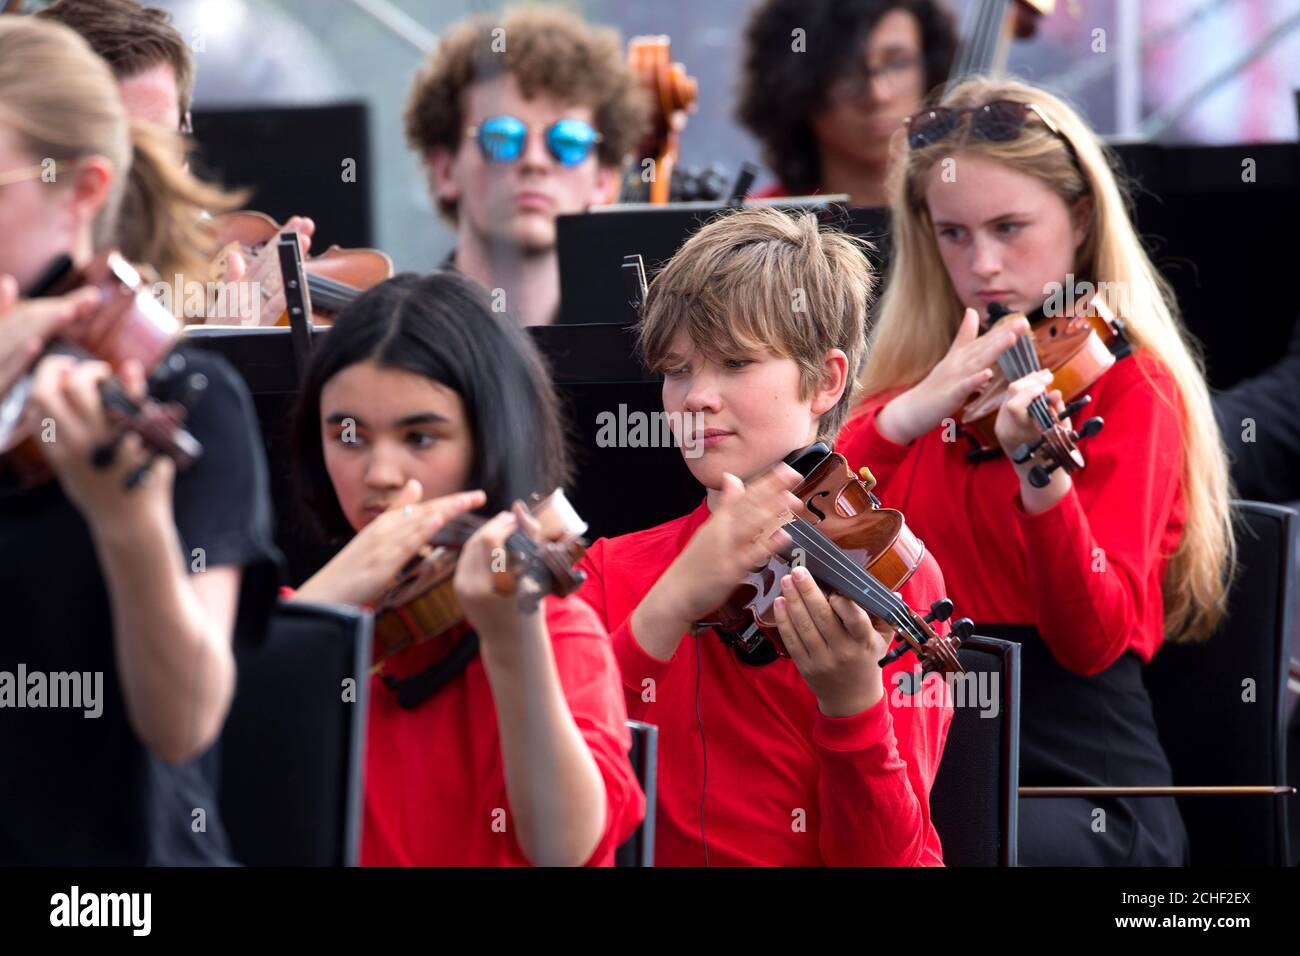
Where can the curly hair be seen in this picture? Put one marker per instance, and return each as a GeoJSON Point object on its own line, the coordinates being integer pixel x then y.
{"type": "Point", "coordinates": [780, 88]}
{"type": "Point", "coordinates": [547, 50]}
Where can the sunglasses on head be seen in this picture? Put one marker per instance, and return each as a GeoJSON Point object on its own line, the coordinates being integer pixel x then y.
{"type": "Point", "coordinates": [999, 121]}
{"type": "Point", "coordinates": [502, 139]}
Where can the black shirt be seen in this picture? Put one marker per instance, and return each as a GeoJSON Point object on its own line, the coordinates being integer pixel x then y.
{"type": "Point", "coordinates": [1260, 422]}
{"type": "Point", "coordinates": [78, 790]}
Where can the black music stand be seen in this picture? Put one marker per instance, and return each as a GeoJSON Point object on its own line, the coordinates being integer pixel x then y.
{"type": "Point", "coordinates": [592, 246]}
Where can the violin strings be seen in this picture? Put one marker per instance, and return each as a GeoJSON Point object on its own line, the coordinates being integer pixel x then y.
{"type": "Point", "coordinates": [331, 293]}
{"type": "Point", "coordinates": [1039, 406]}
{"type": "Point", "coordinates": [832, 555]}
{"type": "Point", "coordinates": [886, 604]}
{"type": "Point", "coordinates": [810, 537]}
{"type": "Point", "coordinates": [1021, 360]}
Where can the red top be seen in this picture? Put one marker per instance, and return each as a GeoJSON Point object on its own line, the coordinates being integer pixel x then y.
{"type": "Point", "coordinates": [1087, 571]}
{"type": "Point", "coordinates": [786, 785]}
{"type": "Point", "coordinates": [435, 791]}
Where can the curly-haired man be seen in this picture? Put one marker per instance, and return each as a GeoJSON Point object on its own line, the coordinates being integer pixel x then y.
{"type": "Point", "coordinates": [520, 120]}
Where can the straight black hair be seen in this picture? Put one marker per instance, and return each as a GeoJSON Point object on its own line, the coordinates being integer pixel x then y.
{"type": "Point", "coordinates": [440, 326]}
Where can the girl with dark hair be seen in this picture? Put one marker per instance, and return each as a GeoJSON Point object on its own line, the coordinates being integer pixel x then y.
{"type": "Point", "coordinates": [420, 405]}
{"type": "Point", "coordinates": [826, 84]}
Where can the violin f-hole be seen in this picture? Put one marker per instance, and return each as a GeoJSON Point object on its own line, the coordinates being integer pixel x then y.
{"type": "Point", "coordinates": [821, 515]}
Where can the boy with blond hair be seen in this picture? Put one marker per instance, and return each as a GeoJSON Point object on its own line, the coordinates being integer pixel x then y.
{"type": "Point", "coordinates": [757, 325]}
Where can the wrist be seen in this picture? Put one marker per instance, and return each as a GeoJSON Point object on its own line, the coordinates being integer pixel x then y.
{"type": "Point", "coordinates": [656, 628]}
{"type": "Point", "coordinates": [660, 610]}
{"type": "Point", "coordinates": [856, 701]}
{"type": "Point", "coordinates": [1036, 500]}
{"type": "Point", "coordinates": [894, 421]}
{"type": "Point", "coordinates": [328, 587]}
{"type": "Point", "coordinates": [506, 641]}
{"type": "Point", "coordinates": [119, 528]}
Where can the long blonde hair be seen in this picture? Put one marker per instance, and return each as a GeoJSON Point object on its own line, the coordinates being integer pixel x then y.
{"type": "Point", "coordinates": [63, 103]}
{"type": "Point", "coordinates": [920, 310]}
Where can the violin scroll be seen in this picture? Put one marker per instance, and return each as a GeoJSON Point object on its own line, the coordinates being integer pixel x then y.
{"type": "Point", "coordinates": [421, 605]}
{"type": "Point", "coordinates": [1057, 448]}
{"type": "Point", "coordinates": [129, 324]}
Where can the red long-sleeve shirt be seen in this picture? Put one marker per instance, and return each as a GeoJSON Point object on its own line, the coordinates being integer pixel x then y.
{"type": "Point", "coordinates": [786, 785]}
{"type": "Point", "coordinates": [1086, 572]}
{"type": "Point", "coordinates": [435, 789]}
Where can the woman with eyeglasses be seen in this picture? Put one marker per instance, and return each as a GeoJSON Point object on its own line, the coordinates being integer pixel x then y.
{"type": "Point", "coordinates": [1006, 196]}
{"type": "Point", "coordinates": [131, 592]}
{"type": "Point", "coordinates": [826, 83]}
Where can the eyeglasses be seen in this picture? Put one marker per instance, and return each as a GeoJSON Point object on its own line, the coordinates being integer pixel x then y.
{"type": "Point", "coordinates": [856, 84]}
{"type": "Point", "coordinates": [999, 121]}
{"type": "Point", "coordinates": [21, 174]}
{"type": "Point", "coordinates": [502, 139]}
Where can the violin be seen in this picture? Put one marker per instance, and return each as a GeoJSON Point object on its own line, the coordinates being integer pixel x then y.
{"type": "Point", "coordinates": [421, 605]}
{"type": "Point", "coordinates": [129, 324]}
{"type": "Point", "coordinates": [989, 27]}
{"type": "Point", "coordinates": [1078, 346]}
{"type": "Point", "coordinates": [672, 95]}
{"type": "Point", "coordinates": [334, 278]}
{"type": "Point", "coordinates": [852, 546]}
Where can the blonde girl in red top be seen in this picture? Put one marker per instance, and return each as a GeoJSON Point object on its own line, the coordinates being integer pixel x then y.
{"type": "Point", "coordinates": [1006, 196]}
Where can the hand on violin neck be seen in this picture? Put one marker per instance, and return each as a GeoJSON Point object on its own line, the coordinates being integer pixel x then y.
{"type": "Point", "coordinates": [88, 452]}
{"type": "Point", "coordinates": [742, 533]}
{"type": "Point", "coordinates": [260, 269]}
{"type": "Point", "coordinates": [25, 326]}
{"type": "Point", "coordinates": [369, 564]}
{"type": "Point", "coordinates": [487, 589]}
{"type": "Point", "coordinates": [1015, 427]}
{"type": "Point", "coordinates": [833, 643]}
{"type": "Point", "coordinates": [966, 367]}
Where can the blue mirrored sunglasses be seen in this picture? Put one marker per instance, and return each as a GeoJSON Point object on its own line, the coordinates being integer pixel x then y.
{"type": "Point", "coordinates": [502, 139]}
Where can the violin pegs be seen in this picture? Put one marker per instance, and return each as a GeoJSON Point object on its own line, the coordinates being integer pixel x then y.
{"type": "Point", "coordinates": [1023, 452]}
{"type": "Point", "coordinates": [940, 610]}
{"type": "Point", "coordinates": [895, 654]}
{"type": "Point", "coordinates": [1039, 476]}
{"type": "Point", "coordinates": [1091, 427]}
{"type": "Point", "coordinates": [963, 627]}
{"type": "Point", "coordinates": [140, 476]}
{"type": "Point", "coordinates": [1073, 408]}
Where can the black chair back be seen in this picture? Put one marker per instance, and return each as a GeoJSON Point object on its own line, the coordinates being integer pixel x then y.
{"type": "Point", "coordinates": [639, 848]}
{"type": "Point", "coordinates": [1220, 706]}
{"type": "Point", "coordinates": [973, 802]}
{"type": "Point", "coordinates": [293, 745]}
